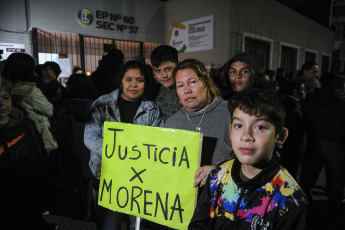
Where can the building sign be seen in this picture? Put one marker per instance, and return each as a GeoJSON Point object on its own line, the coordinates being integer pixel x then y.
{"type": "Point", "coordinates": [193, 35]}
{"type": "Point", "coordinates": [7, 48]}
{"type": "Point", "coordinates": [149, 172]}
{"type": "Point", "coordinates": [85, 17]}
{"type": "Point", "coordinates": [108, 21]}
{"type": "Point", "coordinates": [337, 12]}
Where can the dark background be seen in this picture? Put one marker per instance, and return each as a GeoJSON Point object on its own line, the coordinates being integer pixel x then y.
{"type": "Point", "coordinates": [317, 10]}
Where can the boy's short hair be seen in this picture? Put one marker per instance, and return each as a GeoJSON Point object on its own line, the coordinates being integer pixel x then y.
{"type": "Point", "coordinates": [259, 102]}
{"type": "Point", "coordinates": [54, 66]}
{"type": "Point", "coordinates": [163, 54]}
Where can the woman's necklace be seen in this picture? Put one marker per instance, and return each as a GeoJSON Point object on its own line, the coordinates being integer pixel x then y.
{"type": "Point", "coordinates": [198, 128]}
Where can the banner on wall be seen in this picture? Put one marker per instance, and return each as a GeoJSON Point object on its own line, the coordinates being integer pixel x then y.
{"type": "Point", "coordinates": [193, 35]}
{"type": "Point", "coordinates": [149, 172]}
{"type": "Point", "coordinates": [7, 48]}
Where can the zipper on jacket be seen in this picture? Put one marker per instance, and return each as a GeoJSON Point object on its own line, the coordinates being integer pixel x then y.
{"type": "Point", "coordinates": [243, 192]}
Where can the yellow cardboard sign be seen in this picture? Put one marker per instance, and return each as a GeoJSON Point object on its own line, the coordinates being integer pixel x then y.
{"type": "Point", "coordinates": [149, 172]}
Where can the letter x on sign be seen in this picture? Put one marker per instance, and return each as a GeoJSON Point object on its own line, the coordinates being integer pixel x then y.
{"type": "Point", "coordinates": [137, 175]}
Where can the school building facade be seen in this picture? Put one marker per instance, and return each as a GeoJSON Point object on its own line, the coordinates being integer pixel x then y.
{"type": "Point", "coordinates": [80, 32]}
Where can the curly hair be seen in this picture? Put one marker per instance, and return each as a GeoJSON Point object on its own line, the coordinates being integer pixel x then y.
{"type": "Point", "coordinates": [258, 102]}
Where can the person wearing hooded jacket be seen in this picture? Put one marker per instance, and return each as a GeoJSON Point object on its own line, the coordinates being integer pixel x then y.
{"type": "Point", "coordinates": [241, 73]}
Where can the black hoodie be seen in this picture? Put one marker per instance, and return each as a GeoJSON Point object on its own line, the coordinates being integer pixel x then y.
{"type": "Point", "coordinates": [256, 81]}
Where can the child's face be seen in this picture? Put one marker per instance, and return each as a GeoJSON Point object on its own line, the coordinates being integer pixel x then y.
{"type": "Point", "coordinates": [163, 74]}
{"type": "Point", "coordinates": [5, 106]}
{"type": "Point", "coordinates": [253, 138]}
{"type": "Point", "coordinates": [240, 76]}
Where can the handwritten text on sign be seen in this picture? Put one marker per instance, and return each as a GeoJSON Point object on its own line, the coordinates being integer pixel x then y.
{"type": "Point", "coordinates": [149, 172]}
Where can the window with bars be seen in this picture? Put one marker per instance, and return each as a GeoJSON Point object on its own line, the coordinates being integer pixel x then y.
{"type": "Point", "coordinates": [288, 59]}
{"type": "Point", "coordinates": [310, 56]}
{"type": "Point", "coordinates": [54, 46]}
{"type": "Point", "coordinates": [84, 51]}
{"type": "Point", "coordinates": [325, 64]}
{"type": "Point", "coordinates": [260, 50]}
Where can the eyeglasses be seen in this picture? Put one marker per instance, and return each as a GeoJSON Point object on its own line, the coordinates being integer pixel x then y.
{"type": "Point", "coordinates": [166, 70]}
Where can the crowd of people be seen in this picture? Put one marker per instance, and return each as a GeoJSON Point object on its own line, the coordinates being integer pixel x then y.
{"type": "Point", "coordinates": [266, 137]}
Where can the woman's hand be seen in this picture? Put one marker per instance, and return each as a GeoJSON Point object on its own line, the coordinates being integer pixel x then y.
{"type": "Point", "coordinates": [99, 174]}
{"type": "Point", "coordinates": [201, 175]}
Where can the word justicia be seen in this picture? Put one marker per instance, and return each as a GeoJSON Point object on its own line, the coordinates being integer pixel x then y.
{"type": "Point", "coordinates": [165, 155]}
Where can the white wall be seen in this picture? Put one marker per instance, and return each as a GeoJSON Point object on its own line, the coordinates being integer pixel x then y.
{"type": "Point", "coordinates": [16, 22]}
{"type": "Point", "coordinates": [13, 24]}
{"type": "Point", "coordinates": [17, 38]}
{"type": "Point", "coordinates": [61, 15]}
{"type": "Point", "coordinates": [233, 19]}
{"type": "Point", "coordinates": [13, 15]}
{"type": "Point", "coordinates": [275, 21]}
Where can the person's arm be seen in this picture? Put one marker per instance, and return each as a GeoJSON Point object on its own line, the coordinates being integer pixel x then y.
{"type": "Point", "coordinates": [93, 135]}
{"type": "Point", "coordinates": [40, 103]}
{"type": "Point", "coordinates": [201, 175]}
{"type": "Point", "coordinates": [157, 118]}
{"type": "Point", "coordinates": [295, 219]}
{"type": "Point", "coordinates": [201, 219]}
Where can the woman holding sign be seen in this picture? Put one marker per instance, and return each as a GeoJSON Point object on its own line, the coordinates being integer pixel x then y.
{"type": "Point", "coordinates": [127, 105]}
{"type": "Point", "coordinates": [204, 111]}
